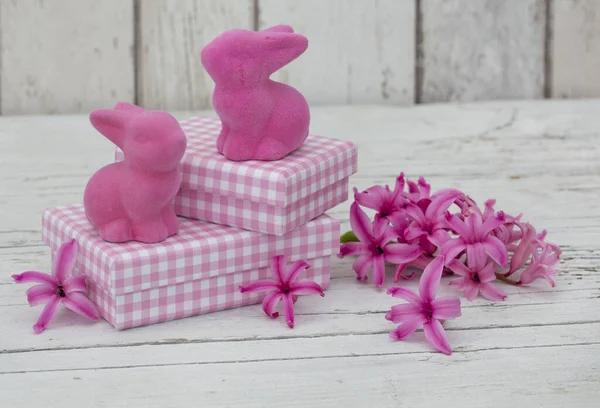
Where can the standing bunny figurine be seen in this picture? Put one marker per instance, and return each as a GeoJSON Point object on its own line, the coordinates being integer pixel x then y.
{"type": "Point", "coordinates": [133, 199]}
{"type": "Point", "coordinates": [261, 119]}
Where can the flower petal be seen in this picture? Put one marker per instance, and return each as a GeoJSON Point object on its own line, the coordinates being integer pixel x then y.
{"type": "Point", "coordinates": [64, 260]}
{"type": "Point", "coordinates": [459, 268]}
{"type": "Point", "coordinates": [436, 336]}
{"type": "Point", "coordinates": [397, 195]}
{"type": "Point", "coordinates": [295, 270]}
{"type": "Point", "coordinates": [491, 292]}
{"type": "Point", "coordinates": [413, 231]}
{"type": "Point", "coordinates": [471, 290]}
{"type": "Point", "coordinates": [407, 328]}
{"type": "Point", "coordinates": [47, 314]}
{"type": "Point", "coordinates": [380, 227]}
{"type": "Point", "coordinates": [458, 226]}
{"type": "Point", "coordinates": [399, 222]}
{"type": "Point", "coordinates": [76, 283]}
{"type": "Point", "coordinates": [459, 283]}
{"type": "Point", "coordinates": [401, 253]}
{"type": "Point", "coordinates": [416, 214]}
{"type": "Point", "coordinates": [523, 251]}
{"type": "Point", "coordinates": [452, 248]}
{"type": "Point", "coordinates": [430, 280]}
{"type": "Point", "coordinates": [306, 287]}
{"type": "Point", "coordinates": [270, 303]}
{"type": "Point", "coordinates": [361, 266]}
{"type": "Point", "coordinates": [496, 250]}
{"type": "Point", "coordinates": [378, 270]}
{"type": "Point", "coordinates": [80, 304]}
{"type": "Point", "coordinates": [476, 256]}
{"type": "Point", "coordinates": [404, 312]}
{"type": "Point", "coordinates": [260, 286]}
{"type": "Point", "coordinates": [399, 269]}
{"type": "Point", "coordinates": [446, 308]}
{"type": "Point", "coordinates": [288, 309]}
{"type": "Point", "coordinates": [439, 237]}
{"type": "Point", "coordinates": [353, 248]}
{"type": "Point", "coordinates": [406, 294]}
{"type": "Point", "coordinates": [487, 273]}
{"type": "Point", "coordinates": [491, 224]}
{"type": "Point", "coordinates": [373, 197]}
{"type": "Point", "coordinates": [360, 224]}
{"type": "Point", "coordinates": [40, 294]}
{"type": "Point", "coordinates": [278, 267]}
{"type": "Point", "coordinates": [440, 202]}
{"type": "Point", "coordinates": [35, 277]}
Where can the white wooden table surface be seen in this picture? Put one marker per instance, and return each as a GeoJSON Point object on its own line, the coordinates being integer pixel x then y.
{"type": "Point", "coordinates": [541, 347]}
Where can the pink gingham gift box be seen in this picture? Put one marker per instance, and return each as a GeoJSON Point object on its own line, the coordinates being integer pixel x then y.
{"type": "Point", "coordinates": [269, 197]}
{"type": "Point", "coordinates": [196, 271]}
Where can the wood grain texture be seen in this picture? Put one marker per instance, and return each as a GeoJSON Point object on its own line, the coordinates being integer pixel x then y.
{"type": "Point", "coordinates": [482, 50]}
{"type": "Point", "coordinates": [360, 51]}
{"type": "Point", "coordinates": [540, 347]}
{"type": "Point", "coordinates": [65, 56]}
{"type": "Point", "coordinates": [575, 51]}
{"type": "Point", "coordinates": [172, 34]}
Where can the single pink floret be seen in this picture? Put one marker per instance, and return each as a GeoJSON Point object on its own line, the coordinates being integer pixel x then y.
{"type": "Point", "coordinates": [543, 262]}
{"type": "Point", "coordinates": [59, 287]}
{"type": "Point", "coordinates": [423, 309]}
{"type": "Point", "coordinates": [285, 286]}
{"type": "Point", "coordinates": [476, 278]}
{"type": "Point", "coordinates": [375, 246]}
{"type": "Point", "coordinates": [475, 236]}
{"type": "Point", "coordinates": [382, 199]}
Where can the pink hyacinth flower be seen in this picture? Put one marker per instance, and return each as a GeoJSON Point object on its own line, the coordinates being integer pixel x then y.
{"type": "Point", "coordinates": [382, 199]}
{"type": "Point", "coordinates": [423, 309]}
{"type": "Point", "coordinates": [429, 223]}
{"type": "Point", "coordinates": [476, 238]}
{"type": "Point", "coordinates": [542, 266]}
{"type": "Point", "coordinates": [59, 287]}
{"type": "Point", "coordinates": [284, 286]}
{"type": "Point", "coordinates": [375, 246]}
{"type": "Point", "coordinates": [476, 278]}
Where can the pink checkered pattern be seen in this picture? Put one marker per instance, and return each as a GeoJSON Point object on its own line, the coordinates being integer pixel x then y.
{"type": "Point", "coordinates": [260, 217]}
{"type": "Point", "coordinates": [197, 271]}
{"type": "Point", "coordinates": [277, 194]}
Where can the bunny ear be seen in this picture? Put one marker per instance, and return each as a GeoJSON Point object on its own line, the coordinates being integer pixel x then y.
{"type": "Point", "coordinates": [283, 47]}
{"type": "Point", "coordinates": [111, 124]}
{"type": "Point", "coordinates": [129, 107]}
{"type": "Point", "coordinates": [281, 28]}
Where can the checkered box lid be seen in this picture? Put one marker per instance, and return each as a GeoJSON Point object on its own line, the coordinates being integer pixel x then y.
{"type": "Point", "coordinates": [318, 163]}
{"type": "Point", "coordinates": [201, 250]}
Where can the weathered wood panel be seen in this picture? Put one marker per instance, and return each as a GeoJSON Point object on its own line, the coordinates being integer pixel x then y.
{"type": "Point", "coordinates": [360, 51]}
{"type": "Point", "coordinates": [64, 56]}
{"type": "Point", "coordinates": [171, 36]}
{"type": "Point", "coordinates": [575, 51]}
{"type": "Point", "coordinates": [484, 49]}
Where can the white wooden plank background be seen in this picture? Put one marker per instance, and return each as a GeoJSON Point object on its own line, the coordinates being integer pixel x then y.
{"type": "Point", "coordinates": [484, 49]}
{"type": "Point", "coordinates": [575, 48]}
{"type": "Point", "coordinates": [171, 35]}
{"type": "Point", "coordinates": [67, 56]}
{"type": "Point", "coordinates": [60, 56]}
{"type": "Point", "coordinates": [360, 51]}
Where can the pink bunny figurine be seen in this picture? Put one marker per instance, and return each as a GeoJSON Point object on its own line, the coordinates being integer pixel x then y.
{"type": "Point", "coordinates": [261, 119]}
{"type": "Point", "coordinates": [133, 199]}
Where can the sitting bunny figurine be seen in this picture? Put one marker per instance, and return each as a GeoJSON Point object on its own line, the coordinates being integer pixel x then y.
{"type": "Point", "coordinates": [261, 119]}
{"type": "Point", "coordinates": [133, 199]}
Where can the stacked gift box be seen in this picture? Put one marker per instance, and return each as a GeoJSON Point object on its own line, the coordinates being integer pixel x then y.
{"type": "Point", "coordinates": [234, 217]}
